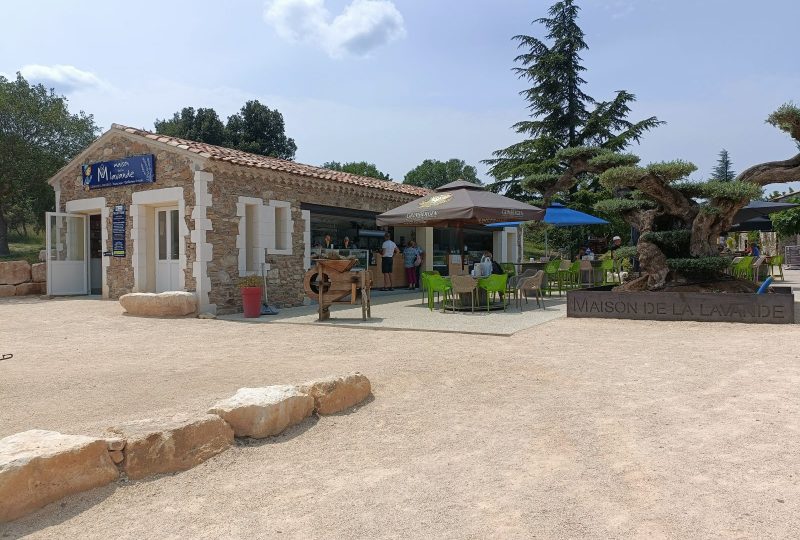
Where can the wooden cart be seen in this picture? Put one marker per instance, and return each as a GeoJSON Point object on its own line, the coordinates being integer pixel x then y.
{"type": "Point", "coordinates": [333, 282]}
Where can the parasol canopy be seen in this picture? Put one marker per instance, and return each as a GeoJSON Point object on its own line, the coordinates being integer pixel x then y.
{"type": "Point", "coordinates": [460, 203]}
{"type": "Point", "coordinates": [559, 215]}
{"type": "Point", "coordinates": [760, 208]}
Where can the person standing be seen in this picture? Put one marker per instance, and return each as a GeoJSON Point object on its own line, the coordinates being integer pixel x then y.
{"type": "Point", "coordinates": [347, 244]}
{"type": "Point", "coordinates": [327, 242]}
{"type": "Point", "coordinates": [418, 264]}
{"type": "Point", "coordinates": [388, 250]}
{"type": "Point", "coordinates": [410, 255]}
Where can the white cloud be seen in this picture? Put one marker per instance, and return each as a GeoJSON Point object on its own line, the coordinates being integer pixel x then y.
{"type": "Point", "coordinates": [363, 25]}
{"type": "Point", "coordinates": [63, 77]}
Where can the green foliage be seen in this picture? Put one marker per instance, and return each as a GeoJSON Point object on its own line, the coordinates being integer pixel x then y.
{"type": "Point", "coordinates": [250, 281]}
{"type": "Point", "coordinates": [38, 136]}
{"type": "Point", "coordinates": [732, 191]}
{"type": "Point", "coordinates": [607, 160]}
{"type": "Point", "coordinates": [723, 171]}
{"type": "Point", "coordinates": [699, 267]}
{"type": "Point", "coordinates": [671, 171]}
{"type": "Point", "coordinates": [674, 243]}
{"type": "Point", "coordinates": [202, 125]}
{"type": "Point", "coordinates": [256, 129]}
{"type": "Point", "coordinates": [433, 173]}
{"type": "Point", "coordinates": [786, 118]}
{"type": "Point", "coordinates": [787, 223]}
{"type": "Point", "coordinates": [625, 176]}
{"type": "Point", "coordinates": [362, 168]}
{"type": "Point", "coordinates": [625, 252]}
{"type": "Point", "coordinates": [620, 206]}
{"type": "Point", "coordinates": [538, 182]}
{"type": "Point", "coordinates": [562, 116]}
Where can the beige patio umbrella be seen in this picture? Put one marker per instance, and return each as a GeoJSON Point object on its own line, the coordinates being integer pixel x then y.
{"type": "Point", "coordinates": [457, 204]}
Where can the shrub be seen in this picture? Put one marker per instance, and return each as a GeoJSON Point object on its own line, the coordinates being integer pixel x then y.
{"type": "Point", "coordinates": [249, 281]}
{"type": "Point", "coordinates": [699, 267]}
{"type": "Point", "coordinates": [674, 243]}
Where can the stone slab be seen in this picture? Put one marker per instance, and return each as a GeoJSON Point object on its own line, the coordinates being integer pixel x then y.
{"type": "Point", "coordinates": [335, 394]}
{"type": "Point", "coordinates": [14, 272]}
{"type": "Point", "coordinates": [8, 290]}
{"type": "Point", "coordinates": [165, 304]}
{"type": "Point", "coordinates": [38, 467]}
{"type": "Point", "coordinates": [24, 289]}
{"type": "Point", "coordinates": [263, 412]}
{"type": "Point", "coordinates": [39, 272]}
{"type": "Point", "coordinates": [158, 446]}
{"type": "Point", "coordinates": [676, 306]}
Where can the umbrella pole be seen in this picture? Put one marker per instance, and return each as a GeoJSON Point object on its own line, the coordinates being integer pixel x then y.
{"type": "Point", "coordinates": [545, 241]}
{"type": "Point", "coordinates": [461, 245]}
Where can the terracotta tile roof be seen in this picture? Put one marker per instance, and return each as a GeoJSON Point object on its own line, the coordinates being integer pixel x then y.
{"type": "Point", "coordinates": [245, 159]}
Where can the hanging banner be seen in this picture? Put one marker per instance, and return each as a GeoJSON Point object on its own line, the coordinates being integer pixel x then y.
{"type": "Point", "coordinates": [120, 172]}
{"type": "Point", "coordinates": [118, 231]}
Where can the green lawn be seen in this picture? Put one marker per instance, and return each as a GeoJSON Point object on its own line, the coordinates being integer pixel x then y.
{"type": "Point", "coordinates": [24, 249]}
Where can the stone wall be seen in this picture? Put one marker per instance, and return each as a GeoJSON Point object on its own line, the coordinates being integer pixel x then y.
{"type": "Point", "coordinates": [172, 170]}
{"type": "Point", "coordinates": [286, 271]}
{"type": "Point", "coordinates": [228, 183]}
{"type": "Point", "coordinates": [20, 278]}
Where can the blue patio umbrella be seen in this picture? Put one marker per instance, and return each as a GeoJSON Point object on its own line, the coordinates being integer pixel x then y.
{"type": "Point", "coordinates": [559, 215]}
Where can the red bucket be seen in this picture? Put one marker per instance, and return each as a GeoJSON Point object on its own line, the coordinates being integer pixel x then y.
{"type": "Point", "coordinates": [251, 301]}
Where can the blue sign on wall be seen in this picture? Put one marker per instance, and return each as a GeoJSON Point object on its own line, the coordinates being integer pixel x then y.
{"type": "Point", "coordinates": [118, 231]}
{"type": "Point", "coordinates": [120, 172]}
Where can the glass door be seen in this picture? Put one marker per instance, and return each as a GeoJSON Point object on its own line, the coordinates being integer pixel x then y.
{"type": "Point", "coordinates": [67, 254]}
{"type": "Point", "coordinates": [167, 249]}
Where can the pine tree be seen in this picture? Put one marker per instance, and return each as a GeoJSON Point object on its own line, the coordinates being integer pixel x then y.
{"type": "Point", "coordinates": [562, 114]}
{"type": "Point", "coordinates": [724, 169]}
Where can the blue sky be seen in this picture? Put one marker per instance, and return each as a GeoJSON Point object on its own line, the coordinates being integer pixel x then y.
{"type": "Point", "coordinates": [396, 82]}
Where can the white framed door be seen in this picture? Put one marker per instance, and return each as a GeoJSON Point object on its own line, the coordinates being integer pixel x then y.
{"type": "Point", "coordinates": [67, 248]}
{"type": "Point", "coordinates": [167, 249]}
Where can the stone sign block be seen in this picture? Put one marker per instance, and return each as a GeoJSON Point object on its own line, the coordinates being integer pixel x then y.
{"type": "Point", "coordinates": [165, 304]}
{"type": "Point", "coordinates": [676, 306]}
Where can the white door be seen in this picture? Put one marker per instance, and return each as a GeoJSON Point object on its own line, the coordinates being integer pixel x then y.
{"type": "Point", "coordinates": [67, 248]}
{"type": "Point", "coordinates": [167, 244]}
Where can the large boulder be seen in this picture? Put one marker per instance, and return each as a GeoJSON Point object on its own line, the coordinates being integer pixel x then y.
{"type": "Point", "coordinates": [14, 272]}
{"type": "Point", "coordinates": [334, 394]}
{"type": "Point", "coordinates": [8, 290]}
{"type": "Point", "coordinates": [165, 304]}
{"type": "Point", "coordinates": [39, 272]}
{"type": "Point", "coordinates": [156, 446]}
{"type": "Point", "coordinates": [262, 412]}
{"type": "Point", "coordinates": [38, 467]}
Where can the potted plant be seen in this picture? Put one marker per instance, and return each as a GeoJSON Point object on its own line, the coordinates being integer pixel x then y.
{"type": "Point", "coordinates": [251, 295]}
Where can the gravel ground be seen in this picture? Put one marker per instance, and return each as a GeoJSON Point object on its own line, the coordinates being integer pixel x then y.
{"type": "Point", "coordinates": [573, 428]}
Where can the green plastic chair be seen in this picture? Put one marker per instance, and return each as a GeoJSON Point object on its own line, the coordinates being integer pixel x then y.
{"type": "Point", "coordinates": [551, 271]}
{"type": "Point", "coordinates": [776, 261]}
{"type": "Point", "coordinates": [571, 277]}
{"type": "Point", "coordinates": [438, 284]}
{"type": "Point", "coordinates": [496, 283]}
{"type": "Point", "coordinates": [423, 277]}
{"type": "Point", "coordinates": [744, 268]}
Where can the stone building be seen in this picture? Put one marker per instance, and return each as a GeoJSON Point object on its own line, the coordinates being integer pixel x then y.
{"type": "Point", "coordinates": [201, 218]}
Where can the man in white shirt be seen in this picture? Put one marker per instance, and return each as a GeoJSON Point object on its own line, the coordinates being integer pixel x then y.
{"type": "Point", "coordinates": [388, 250]}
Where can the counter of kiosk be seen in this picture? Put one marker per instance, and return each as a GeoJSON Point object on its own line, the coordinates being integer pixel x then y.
{"type": "Point", "coordinates": [373, 261]}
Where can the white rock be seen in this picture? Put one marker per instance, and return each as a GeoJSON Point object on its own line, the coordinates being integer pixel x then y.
{"type": "Point", "coordinates": [262, 412]}
{"type": "Point", "coordinates": [157, 446]}
{"type": "Point", "coordinates": [335, 394]}
{"type": "Point", "coordinates": [38, 467]}
{"type": "Point", "coordinates": [165, 304]}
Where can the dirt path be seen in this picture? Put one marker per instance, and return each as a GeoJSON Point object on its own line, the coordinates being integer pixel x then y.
{"type": "Point", "coordinates": [576, 428]}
